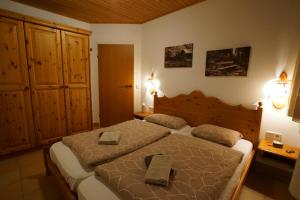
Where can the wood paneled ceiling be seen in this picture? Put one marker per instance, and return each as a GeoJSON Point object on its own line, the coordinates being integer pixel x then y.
{"type": "Point", "coordinates": [111, 11]}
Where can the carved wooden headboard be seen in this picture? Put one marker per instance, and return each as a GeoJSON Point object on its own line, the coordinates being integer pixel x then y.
{"type": "Point", "coordinates": [198, 109]}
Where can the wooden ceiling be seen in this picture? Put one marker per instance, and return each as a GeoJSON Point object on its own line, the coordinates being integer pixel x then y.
{"type": "Point", "coordinates": [111, 11]}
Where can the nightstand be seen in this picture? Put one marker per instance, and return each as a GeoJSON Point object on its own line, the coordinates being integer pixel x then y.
{"type": "Point", "coordinates": [266, 146]}
{"type": "Point", "coordinates": [277, 158]}
{"type": "Point", "coordinates": [142, 115]}
{"type": "Point", "coordinates": [271, 172]}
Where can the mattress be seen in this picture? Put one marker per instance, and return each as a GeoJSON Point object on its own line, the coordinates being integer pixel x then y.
{"type": "Point", "coordinates": [70, 167]}
{"type": "Point", "coordinates": [93, 189]}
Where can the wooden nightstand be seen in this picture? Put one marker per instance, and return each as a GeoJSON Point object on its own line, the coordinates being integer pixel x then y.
{"type": "Point", "coordinates": [142, 115]}
{"type": "Point", "coordinates": [276, 158]}
{"type": "Point", "coordinates": [266, 146]}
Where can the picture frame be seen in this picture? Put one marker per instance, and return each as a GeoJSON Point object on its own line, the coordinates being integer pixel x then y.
{"type": "Point", "coordinates": [228, 62]}
{"type": "Point", "coordinates": [179, 56]}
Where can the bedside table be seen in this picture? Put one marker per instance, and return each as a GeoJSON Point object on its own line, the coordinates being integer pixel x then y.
{"type": "Point", "coordinates": [142, 115]}
{"type": "Point", "coordinates": [266, 146]}
{"type": "Point", "coordinates": [276, 159]}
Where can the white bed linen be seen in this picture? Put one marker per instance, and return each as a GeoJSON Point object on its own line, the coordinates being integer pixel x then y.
{"type": "Point", "coordinates": [93, 189]}
{"type": "Point", "coordinates": [245, 147]}
{"type": "Point", "coordinates": [70, 167]}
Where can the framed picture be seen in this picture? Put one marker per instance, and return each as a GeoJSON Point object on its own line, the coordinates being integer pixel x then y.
{"type": "Point", "coordinates": [179, 56]}
{"type": "Point", "coordinates": [227, 62]}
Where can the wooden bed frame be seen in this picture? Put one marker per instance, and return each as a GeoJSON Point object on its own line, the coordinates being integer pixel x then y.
{"type": "Point", "coordinates": [196, 109]}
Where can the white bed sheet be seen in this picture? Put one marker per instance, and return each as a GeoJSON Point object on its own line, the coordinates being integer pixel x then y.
{"type": "Point", "coordinates": [245, 147]}
{"type": "Point", "coordinates": [70, 167]}
{"type": "Point", "coordinates": [93, 189]}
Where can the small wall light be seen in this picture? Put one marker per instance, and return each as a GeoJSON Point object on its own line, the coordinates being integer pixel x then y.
{"type": "Point", "coordinates": [278, 91]}
{"type": "Point", "coordinates": [152, 84]}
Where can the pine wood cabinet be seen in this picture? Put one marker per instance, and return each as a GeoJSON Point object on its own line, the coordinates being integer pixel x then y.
{"type": "Point", "coordinates": [47, 84]}
{"type": "Point", "coordinates": [75, 49]}
{"type": "Point", "coordinates": [44, 82]}
{"type": "Point", "coordinates": [16, 126]}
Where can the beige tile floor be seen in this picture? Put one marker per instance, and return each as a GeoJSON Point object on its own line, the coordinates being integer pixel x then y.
{"type": "Point", "coordinates": [250, 194]}
{"type": "Point", "coordinates": [23, 177]}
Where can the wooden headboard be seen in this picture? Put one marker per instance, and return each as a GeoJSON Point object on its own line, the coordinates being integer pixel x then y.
{"type": "Point", "coordinates": [198, 109]}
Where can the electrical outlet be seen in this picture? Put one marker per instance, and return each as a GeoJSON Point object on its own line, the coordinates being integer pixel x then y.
{"type": "Point", "coordinates": [271, 136]}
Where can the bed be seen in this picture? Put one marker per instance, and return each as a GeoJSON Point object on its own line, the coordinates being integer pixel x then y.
{"type": "Point", "coordinates": [64, 165]}
{"type": "Point", "coordinates": [92, 189]}
{"type": "Point", "coordinates": [196, 109]}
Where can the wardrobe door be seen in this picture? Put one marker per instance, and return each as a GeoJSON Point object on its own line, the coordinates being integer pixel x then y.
{"type": "Point", "coordinates": [77, 80]}
{"type": "Point", "coordinates": [16, 126]}
{"type": "Point", "coordinates": [46, 78]}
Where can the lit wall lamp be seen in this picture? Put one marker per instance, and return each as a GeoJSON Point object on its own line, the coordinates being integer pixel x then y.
{"type": "Point", "coordinates": [278, 91]}
{"type": "Point", "coordinates": [152, 84]}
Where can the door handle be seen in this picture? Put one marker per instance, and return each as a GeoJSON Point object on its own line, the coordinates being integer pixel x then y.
{"type": "Point", "coordinates": [127, 86]}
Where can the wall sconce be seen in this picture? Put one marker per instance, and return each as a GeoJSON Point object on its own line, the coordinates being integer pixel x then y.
{"type": "Point", "coordinates": [152, 84]}
{"type": "Point", "coordinates": [278, 91]}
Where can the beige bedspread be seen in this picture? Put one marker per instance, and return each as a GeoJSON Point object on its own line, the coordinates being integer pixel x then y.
{"type": "Point", "coordinates": [203, 170]}
{"type": "Point", "coordinates": [134, 134]}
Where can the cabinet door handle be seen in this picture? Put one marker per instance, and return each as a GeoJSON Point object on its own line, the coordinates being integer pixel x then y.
{"type": "Point", "coordinates": [127, 86]}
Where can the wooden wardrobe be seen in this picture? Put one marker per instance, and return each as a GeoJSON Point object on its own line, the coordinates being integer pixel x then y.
{"type": "Point", "coordinates": [44, 81]}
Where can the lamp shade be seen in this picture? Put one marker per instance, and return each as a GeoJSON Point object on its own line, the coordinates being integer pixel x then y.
{"type": "Point", "coordinates": [152, 84]}
{"type": "Point", "coordinates": [295, 182]}
{"type": "Point", "coordinates": [278, 91]}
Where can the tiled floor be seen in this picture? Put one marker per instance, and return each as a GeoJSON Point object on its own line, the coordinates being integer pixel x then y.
{"type": "Point", "coordinates": [268, 181]}
{"type": "Point", "coordinates": [249, 194]}
{"type": "Point", "coordinates": [23, 177]}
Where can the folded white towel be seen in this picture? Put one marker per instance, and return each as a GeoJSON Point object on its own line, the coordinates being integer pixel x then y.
{"type": "Point", "coordinates": [110, 137]}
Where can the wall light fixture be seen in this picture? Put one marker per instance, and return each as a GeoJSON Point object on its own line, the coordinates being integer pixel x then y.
{"type": "Point", "coordinates": [152, 84]}
{"type": "Point", "coordinates": [278, 91]}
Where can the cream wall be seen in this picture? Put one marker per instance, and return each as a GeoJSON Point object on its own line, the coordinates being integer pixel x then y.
{"type": "Point", "coordinates": [116, 34]}
{"type": "Point", "coordinates": [268, 26]}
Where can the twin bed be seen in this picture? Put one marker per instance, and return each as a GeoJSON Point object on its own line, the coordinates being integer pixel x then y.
{"type": "Point", "coordinates": [203, 173]}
